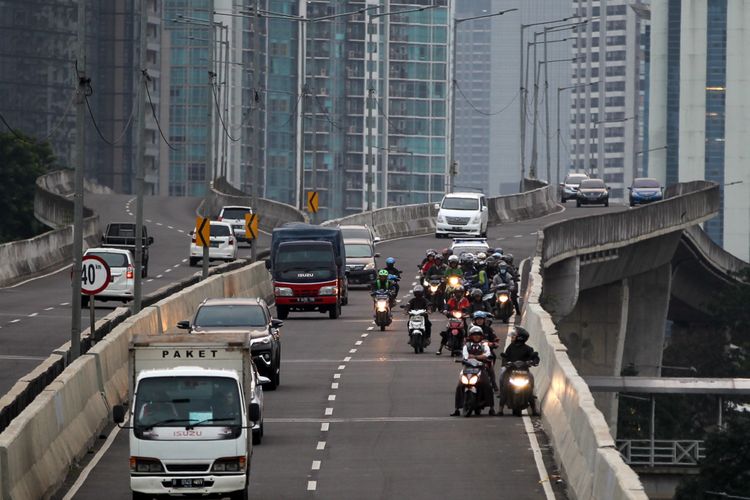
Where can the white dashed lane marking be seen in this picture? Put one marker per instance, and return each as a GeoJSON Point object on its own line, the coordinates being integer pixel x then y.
{"type": "Point", "coordinates": [15, 320]}
{"type": "Point", "coordinates": [321, 445]}
{"type": "Point", "coordinates": [312, 485]}
{"type": "Point", "coordinates": [32, 315]}
{"type": "Point", "coordinates": [352, 351]}
{"type": "Point", "coordinates": [331, 397]}
{"type": "Point", "coordinates": [49, 308]}
{"type": "Point", "coordinates": [316, 465]}
{"type": "Point", "coordinates": [336, 375]}
{"type": "Point", "coordinates": [341, 367]}
{"type": "Point", "coordinates": [335, 385]}
{"type": "Point", "coordinates": [359, 342]}
{"type": "Point", "coordinates": [324, 427]}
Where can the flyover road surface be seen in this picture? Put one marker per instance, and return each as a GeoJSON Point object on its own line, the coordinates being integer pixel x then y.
{"type": "Point", "coordinates": [35, 315]}
{"type": "Point", "coordinates": [359, 415]}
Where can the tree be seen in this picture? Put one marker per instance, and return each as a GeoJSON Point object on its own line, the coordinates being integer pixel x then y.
{"type": "Point", "coordinates": [726, 468]}
{"type": "Point", "coordinates": [22, 160]}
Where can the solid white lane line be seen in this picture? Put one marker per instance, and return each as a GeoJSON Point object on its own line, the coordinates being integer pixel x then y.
{"type": "Point", "coordinates": [329, 411]}
{"type": "Point", "coordinates": [341, 367]}
{"type": "Point", "coordinates": [34, 314]}
{"type": "Point", "coordinates": [49, 308]}
{"type": "Point", "coordinates": [90, 466]}
{"type": "Point", "coordinates": [537, 452]}
{"type": "Point", "coordinates": [331, 397]}
{"type": "Point", "coordinates": [359, 342]}
{"type": "Point", "coordinates": [315, 465]}
{"type": "Point", "coordinates": [324, 427]}
{"type": "Point", "coordinates": [312, 485]}
{"type": "Point", "coordinates": [352, 351]}
{"type": "Point", "coordinates": [335, 385]}
{"type": "Point", "coordinates": [321, 445]}
{"type": "Point", "coordinates": [22, 358]}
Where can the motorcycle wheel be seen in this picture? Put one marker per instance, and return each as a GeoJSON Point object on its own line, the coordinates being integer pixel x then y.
{"type": "Point", "coordinates": [469, 404]}
{"type": "Point", "coordinates": [517, 412]}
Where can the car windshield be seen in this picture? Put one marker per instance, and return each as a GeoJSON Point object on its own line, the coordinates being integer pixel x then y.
{"type": "Point", "coordinates": [220, 230]}
{"type": "Point", "coordinates": [181, 401]}
{"type": "Point", "coordinates": [461, 203]}
{"type": "Point", "coordinates": [234, 213]}
{"type": "Point", "coordinates": [574, 179]}
{"type": "Point", "coordinates": [592, 184]}
{"type": "Point", "coordinates": [358, 250]}
{"type": "Point", "coordinates": [351, 233]}
{"type": "Point", "coordinates": [462, 250]}
{"type": "Point", "coordinates": [230, 315]}
{"type": "Point", "coordinates": [112, 259]}
{"type": "Point", "coordinates": [646, 183]}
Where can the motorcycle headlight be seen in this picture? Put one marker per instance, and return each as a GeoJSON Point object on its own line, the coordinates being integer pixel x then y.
{"type": "Point", "coordinates": [457, 314]}
{"type": "Point", "coordinates": [327, 290]}
{"type": "Point", "coordinates": [519, 381]}
{"type": "Point", "coordinates": [502, 298]}
{"type": "Point", "coordinates": [282, 291]}
{"type": "Point", "coordinates": [473, 380]}
{"type": "Point", "coordinates": [433, 288]}
{"type": "Point", "coordinates": [369, 266]}
{"type": "Point", "coordinates": [382, 305]}
{"type": "Point", "coordinates": [464, 380]}
{"type": "Point", "coordinates": [453, 280]}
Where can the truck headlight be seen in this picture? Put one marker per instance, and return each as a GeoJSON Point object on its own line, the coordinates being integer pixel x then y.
{"type": "Point", "coordinates": [230, 464]}
{"type": "Point", "coordinates": [327, 290]}
{"type": "Point", "coordinates": [145, 465]}
{"type": "Point", "coordinates": [369, 266]}
{"type": "Point", "coordinates": [282, 291]}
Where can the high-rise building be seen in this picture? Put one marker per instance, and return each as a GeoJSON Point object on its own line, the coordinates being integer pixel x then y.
{"type": "Point", "coordinates": [38, 81]}
{"type": "Point", "coordinates": [699, 107]}
{"type": "Point", "coordinates": [325, 116]}
{"type": "Point", "coordinates": [607, 107]}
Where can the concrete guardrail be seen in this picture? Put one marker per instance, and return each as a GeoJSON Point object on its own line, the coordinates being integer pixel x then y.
{"type": "Point", "coordinates": [720, 259]}
{"type": "Point", "coordinates": [411, 220]}
{"type": "Point", "coordinates": [31, 257]}
{"type": "Point", "coordinates": [591, 465]}
{"type": "Point", "coordinates": [56, 430]}
{"type": "Point", "coordinates": [697, 201]}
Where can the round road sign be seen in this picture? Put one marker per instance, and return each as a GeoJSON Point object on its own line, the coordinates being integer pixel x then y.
{"type": "Point", "coordinates": [95, 275]}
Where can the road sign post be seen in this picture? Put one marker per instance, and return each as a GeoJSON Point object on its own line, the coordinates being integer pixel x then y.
{"type": "Point", "coordinates": [95, 276]}
{"type": "Point", "coordinates": [251, 229]}
{"type": "Point", "coordinates": [203, 239]}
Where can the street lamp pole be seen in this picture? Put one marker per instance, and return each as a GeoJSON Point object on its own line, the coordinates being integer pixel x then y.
{"type": "Point", "coordinates": [600, 141]}
{"type": "Point", "coordinates": [559, 90]}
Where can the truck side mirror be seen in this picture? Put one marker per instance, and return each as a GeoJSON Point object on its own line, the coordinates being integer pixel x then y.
{"type": "Point", "coordinates": [150, 240]}
{"type": "Point", "coordinates": [118, 414]}
{"type": "Point", "coordinates": [276, 323]}
{"type": "Point", "coordinates": [376, 239]}
{"type": "Point", "coordinates": [253, 411]}
{"type": "Point", "coordinates": [183, 325]}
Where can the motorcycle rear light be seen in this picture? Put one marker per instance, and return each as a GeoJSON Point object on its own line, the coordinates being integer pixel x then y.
{"type": "Point", "coordinates": [129, 273]}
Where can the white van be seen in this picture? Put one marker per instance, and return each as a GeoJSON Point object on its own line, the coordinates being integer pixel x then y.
{"type": "Point", "coordinates": [462, 213]}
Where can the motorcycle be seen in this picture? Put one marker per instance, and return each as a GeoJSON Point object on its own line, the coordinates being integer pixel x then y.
{"type": "Point", "coordinates": [502, 306]}
{"type": "Point", "coordinates": [382, 300]}
{"type": "Point", "coordinates": [451, 282]}
{"type": "Point", "coordinates": [433, 292]}
{"type": "Point", "coordinates": [517, 391]}
{"type": "Point", "coordinates": [456, 332]}
{"type": "Point", "coordinates": [418, 338]}
{"type": "Point", "coordinates": [470, 382]}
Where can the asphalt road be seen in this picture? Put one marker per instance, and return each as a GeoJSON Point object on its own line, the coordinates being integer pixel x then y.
{"type": "Point", "coordinates": [359, 415]}
{"type": "Point", "coordinates": [35, 317]}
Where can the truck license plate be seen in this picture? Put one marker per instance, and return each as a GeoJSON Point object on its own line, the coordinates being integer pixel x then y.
{"type": "Point", "coordinates": [306, 299]}
{"type": "Point", "coordinates": [187, 483]}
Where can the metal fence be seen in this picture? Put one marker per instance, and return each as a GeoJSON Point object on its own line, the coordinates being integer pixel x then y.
{"type": "Point", "coordinates": [661, 452]}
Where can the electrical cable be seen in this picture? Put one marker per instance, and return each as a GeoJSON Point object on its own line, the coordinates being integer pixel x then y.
{"type": "Point", "coordinates": [326, 114]}
{"type": "Point", "coordinates": [396, 128]}
{"type": "Point", "coordinates": [218, 113]}
{"type": "Point", "coordinates": [485, 113]}
{"type": "Point", "coordinates": [153, 113]}
{"type": "Point", "coordinates": [291, 115]}
{"type": "Point", "coordinates": [13, 131]}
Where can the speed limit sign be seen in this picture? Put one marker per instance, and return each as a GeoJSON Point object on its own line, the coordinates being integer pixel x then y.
{"type": "Point", "coordinates": [95, 275]}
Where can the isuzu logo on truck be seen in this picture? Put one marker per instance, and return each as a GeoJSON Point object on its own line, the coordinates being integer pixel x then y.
{"type": "Point", "coordinates": [188, 353]}
{"type": "Point", "coordinates": [305, 275]}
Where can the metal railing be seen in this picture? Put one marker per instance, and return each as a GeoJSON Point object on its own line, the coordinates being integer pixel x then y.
{"type": "Point", "coordinates": [661, 452]}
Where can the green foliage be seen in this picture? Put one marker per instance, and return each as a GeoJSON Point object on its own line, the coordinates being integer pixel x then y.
{"type": "Point", "coordinates": [726, 467]}
{"type": "Point", "coordinates": [21, 162]}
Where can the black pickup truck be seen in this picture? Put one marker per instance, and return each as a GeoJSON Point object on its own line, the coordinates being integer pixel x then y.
{"type": "Point", "coordinates": [122, 235]}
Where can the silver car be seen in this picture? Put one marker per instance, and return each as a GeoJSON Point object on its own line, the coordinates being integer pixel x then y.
{"type": "Point", "coordinates": [122, 283]}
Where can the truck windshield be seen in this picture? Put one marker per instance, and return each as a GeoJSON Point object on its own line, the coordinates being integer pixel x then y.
{"type": "Point", "coordinates": [230, 315]}
{"type": "Point", "coordinates": [304, 263]}
{"type": "Point", "coordinates": [187, 401]}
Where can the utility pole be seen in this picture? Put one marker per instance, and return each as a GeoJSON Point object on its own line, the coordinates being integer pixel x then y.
{"type": "Point", "coordinates": [142, 81]}
{"type": "Point", "coordinates": [83, 85]}
{"type": "Point", "coordinates": [369, 123]}
{"type": "Point", "coordinates": [546, 109]}
{"type": "Point", "coordinates": [209, 123]}
{"type": "Point", "coordinates": [255, 164]}
{"type": "Point", "coordinates": [587, 112]}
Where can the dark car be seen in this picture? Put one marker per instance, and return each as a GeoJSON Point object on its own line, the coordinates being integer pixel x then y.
{"type": "Point", "coordinates": [360, 261]}
{"type": "Point", "coordinates": [592, 192]}
{"type": "Point", "coordinates": [243, 316]}
{"type": "Point", "coordinates": [645, 190]}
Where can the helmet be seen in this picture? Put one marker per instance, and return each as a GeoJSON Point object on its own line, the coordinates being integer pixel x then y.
{"type": "Point", "coordinates": [481, 256]}
{"type": "Point", "coordinates": [521, 335]}
{"type": "Point", "coordinates": [439, 257]}
{"type": "Point", "coordinates": [453, 259]}
{"type": "Point", "coordinates": [498, 255]}
{"type": "Point", "coordinates": [479, 315]}
{"type": "Point", "coordinates": [502, 265]}
{"type": "Point", "coordinates": [418, 291]}
{"type": "Point", "coordinates": [508, 258]}
{"type": "Point", "coordinates": [490, 262]}
{"type": "Point", "coordinates": [431, 251]}
{"type": "Point", "coordinates": [467, 258]}
{"type": "Point", "coordinates": [476, 293]}
{"type": "Point", "coordinates": [390, 261]}
{"type": "Point", "coordinates": [459, 290]}
{"type": "Point", "coordinates": [383, 273]}
{"type": "Point", "coordinates": [447, 252]}
{"type": "Point", "coordinates": [476, 330]}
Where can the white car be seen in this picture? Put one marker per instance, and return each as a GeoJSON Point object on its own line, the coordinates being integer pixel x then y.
{"type": "Point", "coordinates": [462, 213]}
{"type": "Point", "coordinates": [121, 266]}
{"type": "Point", "coordinates": [569, 187]}
{"type": "Point", "coordinates": [235, 215]}
{"type": "Point", "coordinates": [469, 245]}
{"type": "Point", "coordinates": [223, 244]}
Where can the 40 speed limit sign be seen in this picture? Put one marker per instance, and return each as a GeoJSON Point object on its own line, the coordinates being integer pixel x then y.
{"type": "Point", "coordinates": [95, 275]}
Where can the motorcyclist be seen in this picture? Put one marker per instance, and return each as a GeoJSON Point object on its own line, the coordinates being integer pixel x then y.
{"type": "Point", "coordinates": [482, 320]}
{"type": "Point", "coordinates": [437, 270]}
{"type": "Point", "coordinates": [475, 301]}
{"type": "Point", "coordinates": [420, 302]}
{"type": "Point", "coordinates": [383, 283]}
{"type": "Point", "coordinates": [504, 276]}
{"type": "Point", "coordinates": [476, 348]}
{"type": "Point", "coordinates": [428, 263]}
{"type": "Point", "coordinates": [490, 265]}
{"type": "Point", "coordinates": [429, 256]}
{"type": "Point", "coordinates": [517, 350]}
{"type": "Point", "coordinates": [390, 266]}
{"type": "Point", "coordinates": [457, 301]}
{"type": "Point", "coordinates": [482, 277]}
{"type": "Point", "coordinates": [446, 252]}
{"type": "Point", "coordinates": [453, 269]}
{"type": "Point", "coordinates": [467, 264]}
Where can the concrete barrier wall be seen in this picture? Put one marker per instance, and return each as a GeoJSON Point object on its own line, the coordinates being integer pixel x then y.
{"type": "Point", "coordinates": [272, 213]}
{"type": "Point", "coordinates": [698, 201]}
{"type": "Point", "coordinates": [31, 257]}
{"type": "Point", "coordinates": [411, 220]}
{"type": "Point", "coordinates": [39, 446]}
{"type": "Point", "coordinates": [719, 258]}
{"type": "Point", "coordinates": [583, 446]}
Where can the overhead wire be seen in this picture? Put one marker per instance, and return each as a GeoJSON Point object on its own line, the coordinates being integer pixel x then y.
{"type": "Point", "coordinates": [327, 114]}
{"type": "Point", "coordinates": [218, 113]}
{"type": "Point", "coordinates": [482, 112]}
{"type": "Point", "coordinates": [153, 112]}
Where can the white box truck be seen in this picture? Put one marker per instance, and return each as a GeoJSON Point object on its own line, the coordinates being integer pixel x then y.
{"type": "Point", "coordinates": [196, 401]}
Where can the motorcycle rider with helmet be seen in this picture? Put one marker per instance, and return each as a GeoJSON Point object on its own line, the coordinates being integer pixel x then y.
{"type": "Point", "coordinates": [453, 269]}
{"type": "Point", "coordinates": [476, 348]}
{"type": "Point", "coordinates": [457, 302]}
{"type": "Point", "coordinates": [467, 263]}
{"type": "Point", "coordinates": [504, 276]}
{"type": "Point", "coordinates": [390, 266]}
{"type": "Point", "coordinates": [446, 252]}
{"type": "Point", "coordinates": [482, 320]}
{"type": "Point", "coordinates": [420, 302]}
{"type": "Point", "coordinates": [383, 283]}
{"type": "Point", "coordinates": [476, 303]}
{"type": "Point", "coordinates": [517, 350]}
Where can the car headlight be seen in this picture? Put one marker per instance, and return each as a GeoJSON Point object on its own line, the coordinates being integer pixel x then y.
{"type": "Point", "coordinates": [475, 219]}
{"type": "Point", "coordinates": [142, 464]}
{"type": "Point", "coordinates": [283, 291]}
{"type": "Point", "coordinates": [261, 340]}
{"type": "Point", "coordinates": [441, 219]}
{"type": "Point", "coordinates": [230, 464]}
{"type": "Point", "coordinates": [369, 266]}
{"type": "Point", "coordinates": [327, 290]}
{"type": "Point", "coordinates": [519, 381]}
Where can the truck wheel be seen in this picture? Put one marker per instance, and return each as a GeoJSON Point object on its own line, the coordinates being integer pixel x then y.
{"type": "Point", "coordinates": [335, 311]}
{"type": "Point", "coordinates": [258, 435]}
{"type": "Point", "coordinates": [282, 312]}
{"type": "Point", "coordinates": [194, 261]}
{"type": "Point", "coordinates": [345, 299]}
